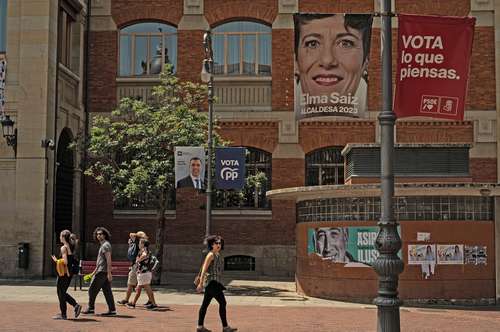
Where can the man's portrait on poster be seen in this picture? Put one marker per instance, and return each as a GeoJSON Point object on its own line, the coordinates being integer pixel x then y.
{"type": "Point", "coordinates": [193, 179]}
{"type": "Point", "coordinates": [331, 244]}
{"type": "Point", "coordinates": [331, 63]}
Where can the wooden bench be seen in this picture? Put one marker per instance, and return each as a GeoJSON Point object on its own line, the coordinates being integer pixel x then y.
{"type": "Point", "coordinates": [118, 269]}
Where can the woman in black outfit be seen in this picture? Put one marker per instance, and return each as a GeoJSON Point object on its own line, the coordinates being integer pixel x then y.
{"type": "Point", "coordinates": [211, 280]}
{"type": "Point", "coordinates": [67, 254]}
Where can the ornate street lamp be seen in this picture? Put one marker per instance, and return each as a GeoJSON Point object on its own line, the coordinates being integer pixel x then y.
{"type": "Point", "coordinates": [207, 77]}
{"type": "Point", "coordinates": [388, 265]}
{"type": "Point", "coordinates": [9, 132]}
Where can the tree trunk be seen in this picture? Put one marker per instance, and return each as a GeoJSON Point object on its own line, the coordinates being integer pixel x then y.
{"type": "Point", "coordinates": [160, 231]}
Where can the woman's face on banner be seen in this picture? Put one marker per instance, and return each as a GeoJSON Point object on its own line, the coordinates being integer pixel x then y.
{"type": "Point", "coordinates": [330, 57]}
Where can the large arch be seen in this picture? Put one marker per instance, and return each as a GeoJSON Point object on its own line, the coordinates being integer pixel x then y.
{"type": "Point", "coordinates": [64, 188]}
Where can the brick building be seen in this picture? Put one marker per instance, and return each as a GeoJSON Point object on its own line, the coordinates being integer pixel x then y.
{"type": "Point", "coordinates": [129, 41]}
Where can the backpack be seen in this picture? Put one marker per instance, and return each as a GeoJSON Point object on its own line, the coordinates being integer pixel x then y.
{"type": "Point", "coordinates": [154, 264]}
{"type": "Point", "coordinates": [74, 266]}
{"type": "Point", "coordinates": [132, 251]}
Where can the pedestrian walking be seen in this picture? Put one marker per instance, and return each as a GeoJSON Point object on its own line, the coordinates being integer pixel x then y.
{"type": "Point", "coordinates": [67, 266]}
{"type": "Point", "coordinates": [144, 275]}
{"type": "Point", "coordinates": [210, 278]}
{"type": "Point", "coordinates": [132, 252]}
{"type": "Point", "coordinates": [101, 276]}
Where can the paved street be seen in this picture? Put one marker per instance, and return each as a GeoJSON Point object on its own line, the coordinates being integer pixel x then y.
{"type": "Point", "coordinates": [252, 306]}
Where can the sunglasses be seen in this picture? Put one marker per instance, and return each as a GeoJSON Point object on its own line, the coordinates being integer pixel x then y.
{"type": "Point", "coordinates": [218, 242]}
{"type": "Point", "coordinates": [99, 234]}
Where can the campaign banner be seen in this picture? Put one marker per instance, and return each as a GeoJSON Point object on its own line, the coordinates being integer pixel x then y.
{"type": "Point", "coordinates": [331, 64]}
{"type": "Point", "coordinates": [433, 66]}
{"type": "Point", "coordinates": [230, 168]}
{"type": "Point", "coordinates": [190, 167]}
{"type": "Point", "coordinates": [3, 69]}
{"type": "Point", "coordinates": [345, 244]}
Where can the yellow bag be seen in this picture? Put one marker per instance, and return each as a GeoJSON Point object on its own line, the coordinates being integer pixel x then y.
{"type": "Point", "coordinates": [61, 268]}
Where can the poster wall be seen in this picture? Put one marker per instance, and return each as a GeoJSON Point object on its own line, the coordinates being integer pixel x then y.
{"type": "Point", "coordinates": [190, 167]}
{"type": "Point", "coordinates": [433, 65]}
{"type": "Point", "coordinates": [331, 64]}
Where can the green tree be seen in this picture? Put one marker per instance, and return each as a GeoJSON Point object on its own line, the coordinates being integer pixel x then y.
{"type": "Point", "coordinates": [132, 150]}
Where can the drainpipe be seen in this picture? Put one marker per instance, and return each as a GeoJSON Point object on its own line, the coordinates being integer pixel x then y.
{"type": "Point", "coordinates": [83, 186]}
{"type": "Point", "coordinates": [46, 145]}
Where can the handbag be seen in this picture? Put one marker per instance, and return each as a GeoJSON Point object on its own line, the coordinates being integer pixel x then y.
{"type": "Point", "coordinates": [61, 268]}
{"type": "Point", "coordinates": [197, 278]}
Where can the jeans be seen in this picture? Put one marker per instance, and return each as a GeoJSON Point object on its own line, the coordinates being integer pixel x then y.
{"type": "Point", "coordinates": [62, 288]}
{"type": "Point", "coordinates": [213, 290]}
{"type": "Point", "coordinates": [100, 281]}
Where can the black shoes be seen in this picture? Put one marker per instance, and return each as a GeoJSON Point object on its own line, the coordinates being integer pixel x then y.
{"type": "Point", "coordinates": [130, 305]}
{"type": "Point", "coordinates": [122, 302]}
{"type": "Point", "coordinates": [151, 306]}
{"type": "Point", "coordinates": [59, 317]}
{"type": "Point", "coordinates": [109, 313]}
{"type": "Point", "coordinates": [78, 310]}
{"type": "Point", "coordinates": [88, 312]}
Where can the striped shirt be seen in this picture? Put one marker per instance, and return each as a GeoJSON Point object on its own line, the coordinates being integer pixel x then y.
{"type": "Point", "coordinates": [214, 271]}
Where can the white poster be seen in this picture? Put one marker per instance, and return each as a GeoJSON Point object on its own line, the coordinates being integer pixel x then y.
{"type": "Point", "coordinates": [475, 255]}
{"type": "Point", "coordinates": [450, 254]}
{"type": "Point", "coordinates": [421, 253]}
{"type": "Point", "coordinates": [190, 167]}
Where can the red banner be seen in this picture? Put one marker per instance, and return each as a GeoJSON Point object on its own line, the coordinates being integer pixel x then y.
{"type": "Point", "coordinates": [433, 66]}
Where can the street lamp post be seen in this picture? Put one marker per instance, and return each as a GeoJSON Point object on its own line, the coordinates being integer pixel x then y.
{"type": "Point", "coordinates": [388, 265]}
{"type": "Point", "coordinates": [207, 77]}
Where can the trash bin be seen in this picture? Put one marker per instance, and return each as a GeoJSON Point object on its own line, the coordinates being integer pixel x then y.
{"type": "Point", "coordinates": [23, 252]}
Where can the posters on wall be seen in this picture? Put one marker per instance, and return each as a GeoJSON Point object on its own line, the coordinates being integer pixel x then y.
{"type": "Point", "coordinates": [344, 244]}
{"type": "Point", "coordinates": [190, 167]}
{"type": "Point", "coordinates": [433, 65]}
{"type": "Point", "coordinates": [450, 254]}
{"type": "Point", "coordinates": [423, 255]}
{"type": "Point", "coordinates": [331, 64]}
{"type": "Point", "coordinates": [475, 255]}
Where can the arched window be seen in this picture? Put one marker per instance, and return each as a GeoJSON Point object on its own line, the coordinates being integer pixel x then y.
{"type": "Point", "coordinates": [325, 166]}
{"type": "Point", "coordinates": [146, 47]}
{"type": "Point", "coordinates": [257, 182]}
{"type": "Point", "coordinates": [242, 48]}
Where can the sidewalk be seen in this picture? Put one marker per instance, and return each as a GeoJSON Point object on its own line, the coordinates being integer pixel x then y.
{"type": "Point", "coordinates": [252, 306]}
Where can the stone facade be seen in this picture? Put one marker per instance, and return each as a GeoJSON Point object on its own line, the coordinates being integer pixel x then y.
{"type": "Point", "coordinates": [45, 99]}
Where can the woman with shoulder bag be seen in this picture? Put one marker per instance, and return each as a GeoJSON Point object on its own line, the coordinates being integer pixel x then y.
{"type": "Point", "coordinates": [210, 278]}
{"type": "Point", "coordinates": [144, 275]}
{"type": "Point", "coordinates": [66, 267]}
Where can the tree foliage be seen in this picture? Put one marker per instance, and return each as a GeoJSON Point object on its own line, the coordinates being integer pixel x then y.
{"type": "Point", "coordinates": [133, 149]}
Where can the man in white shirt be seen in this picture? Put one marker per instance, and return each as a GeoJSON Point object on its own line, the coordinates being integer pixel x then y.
{"type": "Point", "coordinates": [193, 180]}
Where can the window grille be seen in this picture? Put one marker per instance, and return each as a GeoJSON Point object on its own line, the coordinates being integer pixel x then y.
{"type": "Point", "coordinates": [325, 166]}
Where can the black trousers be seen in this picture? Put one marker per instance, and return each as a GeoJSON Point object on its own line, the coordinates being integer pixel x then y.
{"type": "Point", "coordinates": [99, 282]}
{"type": "Point", "coordinates": [213, 290]}
{"type": "Point", "coordinates": [62, 293]}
